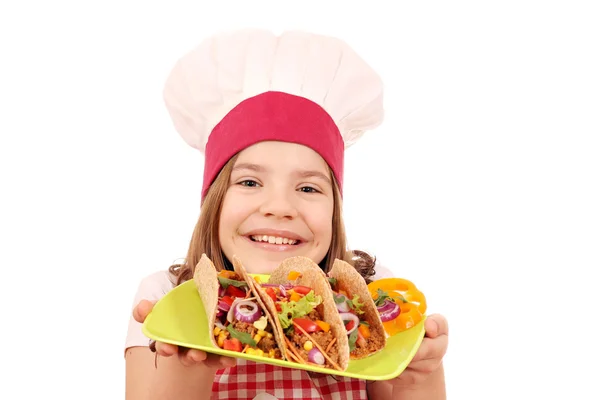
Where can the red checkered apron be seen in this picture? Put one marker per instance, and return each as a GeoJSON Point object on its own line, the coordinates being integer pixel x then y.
{"type": "Point", "coordinates": [248, 379]}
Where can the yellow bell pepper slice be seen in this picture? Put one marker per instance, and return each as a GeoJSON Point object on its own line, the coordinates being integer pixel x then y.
{"type": "Point", "coordinates": [405, 294]}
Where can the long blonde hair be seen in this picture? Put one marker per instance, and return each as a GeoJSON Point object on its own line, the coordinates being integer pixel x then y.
{"type": "Point", "coordinates": [205, 238]}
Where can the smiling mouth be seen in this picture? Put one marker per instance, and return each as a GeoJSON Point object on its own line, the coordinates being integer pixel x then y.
{"type": "Point", "coordinates": [273, 239]}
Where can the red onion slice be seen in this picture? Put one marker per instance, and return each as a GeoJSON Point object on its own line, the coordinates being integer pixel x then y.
{"type": "Point", "coordinates": [287, 286]}
{"type": "Point", "coordinates": [350, 317]}
{"type": "Point", "coordinates": [315, 356]}
{"type": "Point", "coordinates": [386, 306]}
{"type": "Point", "coordinates": [247, 315]}
{"type": "Point", "coordinates": [230, 314]}
{"type": "Point", "coordinates": [390, 314]}
{"type": "Point", "coordinates": [283, 291]}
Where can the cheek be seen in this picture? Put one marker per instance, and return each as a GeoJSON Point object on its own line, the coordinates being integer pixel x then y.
{"type": "Point", "coordinates": [321, 223]}
{"type": "Point", "coordinates": [232, 215]}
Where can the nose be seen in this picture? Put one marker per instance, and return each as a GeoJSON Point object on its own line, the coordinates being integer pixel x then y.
{"type": "Point", "coordinates": [279, 204]}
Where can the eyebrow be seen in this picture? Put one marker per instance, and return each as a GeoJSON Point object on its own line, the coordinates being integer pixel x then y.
{"type": "Point", "coordinates": [301, 174]}
{"type": "Point", "coordinates": [252, 167]}
{"type": "Point", "coordinates": [314, 174]}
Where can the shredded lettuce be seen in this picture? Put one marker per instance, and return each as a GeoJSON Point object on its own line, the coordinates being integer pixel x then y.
{"type": "Point", "coordinates": [356, 305]}
{"type": "Point", "coordinates": [297, 309]}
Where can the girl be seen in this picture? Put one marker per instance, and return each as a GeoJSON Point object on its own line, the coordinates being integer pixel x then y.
{"type": "Point", "coordinates": [272, 115]}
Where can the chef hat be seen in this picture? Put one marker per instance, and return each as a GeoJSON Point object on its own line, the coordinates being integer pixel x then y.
{"type": "Point", "coordinates": [239, 88]}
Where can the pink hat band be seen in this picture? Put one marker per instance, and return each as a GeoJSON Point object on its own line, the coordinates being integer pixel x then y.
{"type": "Point", "coordinates": [274, 116]}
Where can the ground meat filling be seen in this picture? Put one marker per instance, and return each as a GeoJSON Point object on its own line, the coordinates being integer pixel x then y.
{"type": "Point", "coordinates": [266, 343]}
{"type": "Point", "coordinates": [373, 343]}
{"type": "Point", "coordinates": [322, 339]}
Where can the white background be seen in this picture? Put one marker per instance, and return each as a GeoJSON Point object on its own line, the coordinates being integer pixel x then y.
{"type": "Point", "coordinates": [482, 185]}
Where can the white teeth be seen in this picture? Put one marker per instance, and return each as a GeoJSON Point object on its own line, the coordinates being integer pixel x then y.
{"type": "Point", "coordinates": [273, 239]}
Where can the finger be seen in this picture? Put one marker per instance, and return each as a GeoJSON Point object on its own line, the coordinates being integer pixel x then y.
{"type": "Point", "coordinates": [432, 349]}
{"type": "Point", "coordinates": [189, 357]}
{"type": "Point", "coordinates": [196, 356]}
{"type": "Point", "coordinates": [218, 362]}
{"type": "Point", "coordinates": [165, 349]}
{"type": "Point", "coordinates": [436, 325]}
{"type": "Point", "coordinates": [141, 311]}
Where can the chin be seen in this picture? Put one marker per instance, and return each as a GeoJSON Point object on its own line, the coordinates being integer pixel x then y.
{"type": "Point", "coordinates": [257, 266]}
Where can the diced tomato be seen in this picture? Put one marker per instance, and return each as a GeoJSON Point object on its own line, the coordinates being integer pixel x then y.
{"type": "Point", "coordinates": [302, 290]}
{"type": "Point", "coordinates": [232, 344]}
{"type": "Point", "coordinates": [235, 291]}
{"type": "Point", "coordinates": [227, 299]}
{"type": "Point", "coordinates": [349, 325]}
{"type": "Point", "coordinates": [278, 307]}
{"type": "Point", "coordinates": [306, 324]}
{"type": "Point", "coordinates": [271, 293]}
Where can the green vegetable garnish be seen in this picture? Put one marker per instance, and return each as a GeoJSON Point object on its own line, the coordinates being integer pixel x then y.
{"type": "Point", "coordinates": [241, 336]}
{"type": "Point", "coordinates": [297, 309]}
{"type": "Point", "coordinates": [225, 282]}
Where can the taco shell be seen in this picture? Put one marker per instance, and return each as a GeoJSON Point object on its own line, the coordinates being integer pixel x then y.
{"type": "Point", "coordinates": [207, 283]}
{"type": "Point", "coordinates": [205, 278]}
{"type": "Point", "coordinates": [311, 276]}
{"type": "Point", "coordinates": [350, 281]}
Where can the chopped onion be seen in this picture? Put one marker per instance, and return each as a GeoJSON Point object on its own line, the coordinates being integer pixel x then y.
{"type": "Point", "coordinates": [315, 356]}
{"type": "Point", "coordinates": [247, 315]}
{"type": "Point", "coordinates": [220, 313]}
{"type": "Point", "coordinates": [350, 317]}
{"type": "Point", "coordinates": [343, 306]}
{"type": "Point", "coordinates": [283, 291]}
{"type": "Point", "coordinates": [223, 306]}
{"type": "Point", "coordinates": [390, 313]}
{"type": "Point", "coordinates": [219, 324]}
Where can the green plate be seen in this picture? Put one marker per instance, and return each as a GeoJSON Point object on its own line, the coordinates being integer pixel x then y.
{"type": "Point", "coordinates": [179, 318]}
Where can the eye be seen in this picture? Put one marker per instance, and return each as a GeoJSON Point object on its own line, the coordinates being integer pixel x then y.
{"type": "Point", "coordinates": [309, 189]}
{"type": "Point", "coordinates": [248, 183]}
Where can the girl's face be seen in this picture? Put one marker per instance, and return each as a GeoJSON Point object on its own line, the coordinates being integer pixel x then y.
{"type": "Point", "coordinates": [279, 204]}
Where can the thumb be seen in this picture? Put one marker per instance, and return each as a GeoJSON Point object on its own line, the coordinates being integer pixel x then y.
{"type": "Point", "coordinates": [436, 325]}
{"type": "Point", "coordinates": [141, 311]}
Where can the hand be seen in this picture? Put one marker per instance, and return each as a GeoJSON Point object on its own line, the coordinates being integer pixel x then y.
{"type": "Point", "coordinates": [188, 357]}
{"type": "Point", "coordinates": [429, 356]}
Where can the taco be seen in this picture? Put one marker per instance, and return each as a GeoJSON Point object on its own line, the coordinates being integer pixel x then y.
{"type": "Point", "coordinates": [311, 331]}
{"type": "Point", "coordinates": [366, 334]}
{"type": "Point", "coordinates": [237, 317]}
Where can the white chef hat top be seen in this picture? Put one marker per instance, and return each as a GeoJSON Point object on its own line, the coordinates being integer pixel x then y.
{"type": "Point", "coordinates": [225, 70]}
